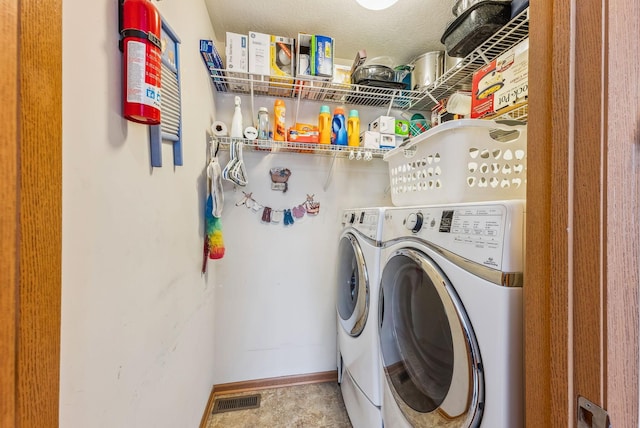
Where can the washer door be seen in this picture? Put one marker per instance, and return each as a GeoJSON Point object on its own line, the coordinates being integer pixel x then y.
{"type": "Point", "coordinates": [353, 286]}
{"type": "Point", "coordinates": [429, 351]}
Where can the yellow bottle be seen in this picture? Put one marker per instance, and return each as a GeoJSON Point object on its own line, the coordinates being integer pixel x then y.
{"type": "Point", "coordinates": [324, 125]}
{"type": "Point", "coordinates": [353, 129]}
{"type": "Point", "coordinates": [279, 128]}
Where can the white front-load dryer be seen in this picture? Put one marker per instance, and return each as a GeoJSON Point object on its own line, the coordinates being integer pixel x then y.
{"type": "Point", "coordinates": [356, 307]}
{"type": "Point", "coordinates": [450, 316]}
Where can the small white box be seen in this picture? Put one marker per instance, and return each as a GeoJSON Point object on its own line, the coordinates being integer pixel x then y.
{"type": "Point", "coordinates": [237, 53]}
{"type": "Point", "coordinates": [384, 125]}
{"type": "Point", "coordinates": [370, 140]}
{"type": "Point", "coordinates": [259, 53]}
{"type": "Point", "coordinates": [387, 141]}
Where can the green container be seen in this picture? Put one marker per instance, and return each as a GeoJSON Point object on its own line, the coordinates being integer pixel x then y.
{"type": "Point", "coordinates": [402, 127]}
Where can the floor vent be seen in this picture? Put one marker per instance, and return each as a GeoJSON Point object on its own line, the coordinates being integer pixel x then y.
{"type": "Point", "coordinates": [236, 403]}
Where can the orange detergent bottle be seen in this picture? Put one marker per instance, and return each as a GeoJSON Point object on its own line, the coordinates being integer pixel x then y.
{"type": "Point", "coordinates": [353, 129]}
{"type": "Point", "coordinates": [324, 125]}
{"type": "Point", "coordinates": [279, 129]}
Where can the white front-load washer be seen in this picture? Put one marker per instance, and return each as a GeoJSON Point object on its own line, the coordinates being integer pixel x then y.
{"type": "Point", "coordinates": [356, 306]}
{"type": "Point", "coordinates": [450, 316]}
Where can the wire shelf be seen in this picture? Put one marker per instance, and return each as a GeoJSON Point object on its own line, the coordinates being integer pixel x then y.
{"type": "Point", "coordinates": [311, 89]}
{"type": "Point", "coordinates": [318, 149]}
{"type": "Point", "coordinates": [518, 112]}
{"type": "Point", "coordinates": [461, 75]}
{"type": "Point", "coordinates": [316, 89]}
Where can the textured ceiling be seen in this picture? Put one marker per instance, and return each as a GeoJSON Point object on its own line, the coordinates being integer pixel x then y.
{"type": "Point", "coordinates": [404, 31]}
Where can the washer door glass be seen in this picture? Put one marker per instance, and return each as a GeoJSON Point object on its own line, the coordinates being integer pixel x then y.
{"type": "Point", "coordinates": [429, 351]}
{"type": "Point", "coordinates": [353, 286]}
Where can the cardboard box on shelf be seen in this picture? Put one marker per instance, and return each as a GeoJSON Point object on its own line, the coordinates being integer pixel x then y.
{"type": "Point", "coordinates": [303, 133]}
{"type": "Point", "coordinates": [236, 50]}
{"type": "Point", "coordinates": [303, 55]}
{"type": "Point", "coordinates": [370, 140]}
{"type": "Point", "coordinates": [384, 125]}
{"type": "Point", "coordinates": [341, 74]}
{"type": "Point", "coordinates": [259, 53]}
{"type": "Point", "coordinates": [310, 87]}
{"type": "Point", "coordinates": [282, 56]}
{"type": "Point", "coordinates": [502, 82]}
{"type": "Point", "coordinates": [321, 55]}
{"type": "Point", "coordinates": [213, 61]}
{"type": "Point", "coordinates": [402, 127]}
{"type": "Point", "coordinates": [388, 141]}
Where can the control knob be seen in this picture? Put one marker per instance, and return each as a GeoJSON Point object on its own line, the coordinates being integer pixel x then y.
{"type": "Point", "coordinates": [352, 219]}
{"type": "Point", "coordinates": [413, 222]}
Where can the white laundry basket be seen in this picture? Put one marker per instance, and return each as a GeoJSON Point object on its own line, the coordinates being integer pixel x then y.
{"type": "Point", "coordinates": [468, 160]}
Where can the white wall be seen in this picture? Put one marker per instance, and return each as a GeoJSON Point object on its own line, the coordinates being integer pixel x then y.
{"type": "Point", "coordinates": [275, 287]}
{"type": "Point", "coordinates": [144, 335]}
{"type": "Point", "coordinates": [137, 317]}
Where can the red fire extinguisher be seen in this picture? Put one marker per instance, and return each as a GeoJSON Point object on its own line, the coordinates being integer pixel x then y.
{"type": "Point", "coordinates": [140, 30]}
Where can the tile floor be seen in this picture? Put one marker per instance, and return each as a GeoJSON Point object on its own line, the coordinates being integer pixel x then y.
{"type": "Point", "coordinates": [302, 406]}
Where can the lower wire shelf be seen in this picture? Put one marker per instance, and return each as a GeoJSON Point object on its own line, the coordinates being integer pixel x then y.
{"type": "Point", "coordinates": [305, 148]}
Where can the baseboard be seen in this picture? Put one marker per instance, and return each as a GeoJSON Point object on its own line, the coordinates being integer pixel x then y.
{"type": "Point", "coordinates": [275, 382]}
{"type": "Point", "coordinates": [208, 409]}
{"type": "Point", "coordinates": [258, 384]}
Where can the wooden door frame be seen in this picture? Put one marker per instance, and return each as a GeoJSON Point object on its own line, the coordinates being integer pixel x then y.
{"type": "Point", "coordinates": [581, 292]}
{"type": "Point", "coordinates": [30, 212]}
{"type": "Point", "coordinates": [8, 211]}
{"type": "Point", "coordinates": [30, 226]}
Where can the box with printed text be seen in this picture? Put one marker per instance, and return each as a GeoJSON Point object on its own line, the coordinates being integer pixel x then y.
{"type": "Point", "coordinates": [501, 83]}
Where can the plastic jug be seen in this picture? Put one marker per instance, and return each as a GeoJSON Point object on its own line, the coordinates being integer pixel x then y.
{"type": "Point", "coordinates": [324, 125]}
{"type": "Point", "coordinates": [279, 129]}
{"type": "Point", "coordinates": [338, 128]}
{"type": "Point", "coordinates": [263, 124]}
{"type": "Point", "coordinates": [353, 128]}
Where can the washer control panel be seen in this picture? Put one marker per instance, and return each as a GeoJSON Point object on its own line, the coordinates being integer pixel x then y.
{"type": "Point", "coordinates": [367, 221]}
{"type": "Point", "coordinates": [483, 233]}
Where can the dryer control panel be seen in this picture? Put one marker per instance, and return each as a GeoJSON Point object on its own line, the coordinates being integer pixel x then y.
{"type": "Point", "coordinates": [490, 234]}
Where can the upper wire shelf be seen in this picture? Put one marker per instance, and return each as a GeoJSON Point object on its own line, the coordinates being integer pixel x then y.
{"type": "Point", "coordinates": [460, 76]}
{"type": "Point", "coordinates": [306, 88]}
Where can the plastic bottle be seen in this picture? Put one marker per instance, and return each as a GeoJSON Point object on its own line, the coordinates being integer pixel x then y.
{"type": "Point", "coordinates": [263, 124]}
{"type": "Point", "coordinates": [279, 129]}
{"type": "Point", "coordinates": [236, 122]}
{"type": "Point", "coordinates": [353, 128]}
{"type": "Point", "coordinates": [338, 128]}
{"type": "Point", "coordinates": [324, 125]}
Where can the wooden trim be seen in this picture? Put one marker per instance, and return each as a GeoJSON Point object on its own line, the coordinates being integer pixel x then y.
{"type": "Point", "coordinates": [259, 384]}
{"type": "Point", "coordinates": [209, 409]}
{"type": "Point", "coordinates": [540, 410]}
{"type": "Point", "coordinates": [9, 148]}
{"type": "Point", "coordinates": [586, 278]}
{"type": "Point", "coordinates": [40, 212]}
{"type": "Point", "coordinates": [581, 281]}
{"type": "Point", "coordinates": [275, 382]}
{"type": "Point", "coordinates": [622, 228]}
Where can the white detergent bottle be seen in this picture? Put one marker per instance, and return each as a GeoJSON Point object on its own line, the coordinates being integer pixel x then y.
{"type": "Point", "coordinates": [236, 122]}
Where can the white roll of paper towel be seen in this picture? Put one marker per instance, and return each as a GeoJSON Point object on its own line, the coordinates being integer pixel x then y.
{"type": "Point", "coordinates": [219, 129]}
